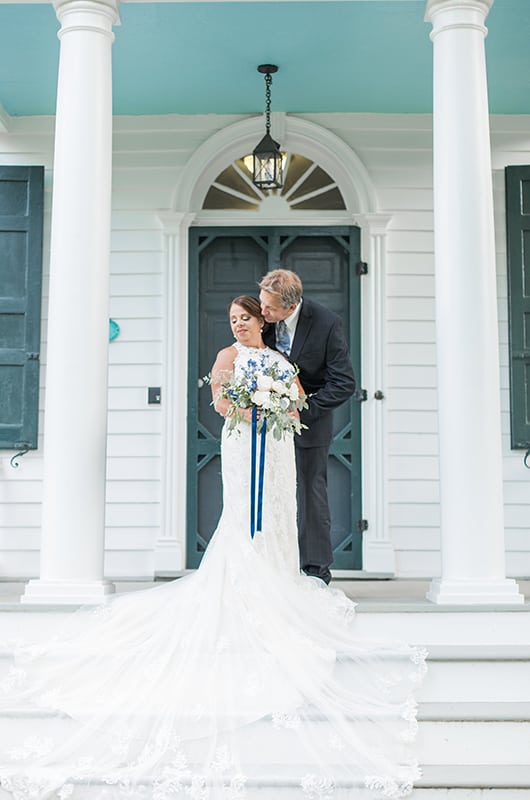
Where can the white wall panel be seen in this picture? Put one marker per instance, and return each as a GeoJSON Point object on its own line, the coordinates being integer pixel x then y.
{"type": "Point", "coordinates": [412, 444]}
{"type": "Point", "coordinates": [411, 376]}
{"type": "Point", "coordinates": [123, 352]}
{"type": "Point", "coordinates": [133, 445]}
{"type": "Point", "coordinates": [130, 262]}
{"type": "Point", "coordinates": [411, 331]}
{"type": "Point", "coordinates": [417, 399]}
{"type": "Point", "coordinates": [134, 375]}
{"type": "Point", "coordinates": [19, 538]}
{"type": "Point", "coordinates": [410, 308]}
{"type": "Point", "coordinates": [413, 491]}
{"type": "Point", "coordinates": [418, 468]}
{"type": "Point", "coordinates": [139, 468]}
{"type": "Point", "coordinates": [127, 397]}
{"type": "Point", "coordinates": [137, 308]}
{"type": "Point", "coordinates": [143, 491]}
{"type": "Point", "coordinates": [410, 264]}
{"type": "Point", "coordinates": [133, 514]}
{"type": "Point", "coordinates": [131, 284]}
{"type": "Point", "coordinates": [413, 421]}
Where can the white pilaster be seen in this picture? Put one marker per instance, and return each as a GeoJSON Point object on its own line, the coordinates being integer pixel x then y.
{"type": "Point", "coordinates": [170, 546]}
{"type": "Point", "coordinates": [378, 549]}
{"type": "Point", "coordinates": [473, 562]}
{"type": "Point", "coordinates": [76, 372]}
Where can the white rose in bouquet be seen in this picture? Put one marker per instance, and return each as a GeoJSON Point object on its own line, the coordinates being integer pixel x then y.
{"type": "Point", "coordinates": [279, 387]}
{"type": "Point", "coordinates": [261, 399]}
{"type": "Point", "coordinates": [294, 392]}
{"type": "Point", "coordinates": [264, 383]}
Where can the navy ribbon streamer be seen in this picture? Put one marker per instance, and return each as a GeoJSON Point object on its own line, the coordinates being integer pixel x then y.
{"type": "Point", "coordinates": [257, 500]}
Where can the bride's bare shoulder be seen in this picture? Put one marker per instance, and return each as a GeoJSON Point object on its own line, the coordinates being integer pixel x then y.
{"type": "Point", "coordinates": [225, 359]}
{"type": "Point", "coordinates": [227, 353]}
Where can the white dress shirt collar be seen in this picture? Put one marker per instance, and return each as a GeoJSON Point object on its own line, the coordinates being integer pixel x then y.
{"type": "Point", "coordinates": [292, 320]}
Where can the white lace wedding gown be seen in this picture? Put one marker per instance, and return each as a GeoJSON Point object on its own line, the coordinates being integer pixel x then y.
{"type": "Point", "coordinates": [244, 679]}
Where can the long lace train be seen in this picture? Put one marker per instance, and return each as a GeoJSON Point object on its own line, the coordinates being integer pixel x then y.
{"type": "Point", "coordinates": [244, 678]}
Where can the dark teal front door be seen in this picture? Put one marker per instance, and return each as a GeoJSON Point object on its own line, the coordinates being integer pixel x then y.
{"type": "Point", "coordinates": [224, 263]}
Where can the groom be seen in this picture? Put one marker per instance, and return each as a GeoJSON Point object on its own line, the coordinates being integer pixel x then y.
{"type": "Point", "coordinates": [311, 336]}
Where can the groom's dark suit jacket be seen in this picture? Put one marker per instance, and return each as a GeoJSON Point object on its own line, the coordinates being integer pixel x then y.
{"type": "Point", "coordinates": [321, 353]}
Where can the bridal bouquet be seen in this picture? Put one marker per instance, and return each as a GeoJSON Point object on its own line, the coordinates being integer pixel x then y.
{"type": "Point", "coordinates": [271, 389]}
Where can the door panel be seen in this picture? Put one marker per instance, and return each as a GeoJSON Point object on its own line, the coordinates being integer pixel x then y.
{"type": "Point", "coordinates": [224, 263]}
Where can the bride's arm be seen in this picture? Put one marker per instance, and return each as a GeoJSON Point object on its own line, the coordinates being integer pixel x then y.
{"type": "Point", "coordinates": [296, 414]}
{"type": "Point", "coordinates": [300, 387]}
{"type": "Point", "coordinates": [221, 371]}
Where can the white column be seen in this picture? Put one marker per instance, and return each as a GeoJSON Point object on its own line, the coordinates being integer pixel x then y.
{"type": "Point", "coordinates": [170, 549]}
{"type": "Point", "coordinates": [472, 530]}
{"type": "Point", "coordinates": [378, 548]}
{"type": "Point", "coordinates": [78, 320]}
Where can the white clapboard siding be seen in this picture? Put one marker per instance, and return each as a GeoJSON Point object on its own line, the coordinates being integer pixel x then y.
{"type": "Point", "coordinates": [416, 444]}
{"type": "Point", "coordinates": [413, 491]}
{"type": "Point", "coordinates": [135, 357]}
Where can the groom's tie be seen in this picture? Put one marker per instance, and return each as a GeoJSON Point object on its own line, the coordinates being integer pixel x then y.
{"type": "Point", "coordinates": [283, 340]}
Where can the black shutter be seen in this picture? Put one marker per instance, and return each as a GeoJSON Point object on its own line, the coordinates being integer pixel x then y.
{"type": "Point", "coordinates": [21, 217]}
{"type": "Point", "coordinates": [518, 249]}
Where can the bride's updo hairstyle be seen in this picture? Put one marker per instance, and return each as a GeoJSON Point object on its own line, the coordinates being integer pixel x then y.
{"type": "Point", "coordinates": [251, 306]}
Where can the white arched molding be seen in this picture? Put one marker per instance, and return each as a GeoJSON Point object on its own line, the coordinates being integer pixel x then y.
{"type": "Point", "coordinates": [170, 546]}
{"type": "Point", "coordinates": [378, 550]}
{"type": "Point", "coordinates": [354, 182]}
{"type": "Point", "coordinates": [296, 136]}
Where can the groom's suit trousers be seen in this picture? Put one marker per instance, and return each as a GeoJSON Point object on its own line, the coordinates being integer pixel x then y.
{"type": "Point", "coordinates": [314, 521]}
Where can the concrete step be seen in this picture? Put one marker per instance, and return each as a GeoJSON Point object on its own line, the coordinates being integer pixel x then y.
{"type": "Point", "coordinates": [442, 741]}
{"type": "Point", "coordinates": [464, 679]}
{"type": "Point", "coordinates": [465, 784]}
{"type": "Point", "coordinates": [474, 729]}
{"type": "Point", "coordinates": [428, 626]}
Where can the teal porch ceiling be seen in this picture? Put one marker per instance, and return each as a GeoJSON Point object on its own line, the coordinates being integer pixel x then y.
{"type": "Point", "coordinates": [201, 58]}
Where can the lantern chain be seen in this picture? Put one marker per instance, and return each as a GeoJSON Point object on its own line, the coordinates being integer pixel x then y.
{"type": "Point", "coordinates": [268, 81]}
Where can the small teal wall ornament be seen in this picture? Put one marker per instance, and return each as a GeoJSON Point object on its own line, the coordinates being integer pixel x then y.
{"type": "Point", "coordinates": [114, 330]}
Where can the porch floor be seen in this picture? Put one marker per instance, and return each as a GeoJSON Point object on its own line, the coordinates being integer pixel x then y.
{"type": "Point", "coordinates": [389, 595]}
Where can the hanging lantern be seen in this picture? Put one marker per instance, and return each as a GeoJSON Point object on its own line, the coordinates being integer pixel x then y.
{"type": "Point", "coordinates": [267, 160]}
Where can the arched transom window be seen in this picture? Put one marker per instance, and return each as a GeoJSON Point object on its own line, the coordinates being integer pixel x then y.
{"type": "Point", "coordinates": [307, 187]}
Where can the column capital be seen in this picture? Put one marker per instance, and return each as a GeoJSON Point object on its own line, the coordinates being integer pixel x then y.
{"type": "Point", "coordinates": [95, 15]}
{"type": "Point", "coordinates": [457, 13]}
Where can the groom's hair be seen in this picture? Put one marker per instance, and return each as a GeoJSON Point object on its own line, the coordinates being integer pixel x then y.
{"type": "Point", "coordinates": [284, 283]}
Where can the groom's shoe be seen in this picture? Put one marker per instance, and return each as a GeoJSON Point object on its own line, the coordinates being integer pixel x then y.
{"type": "Point", "coordinates": [318, 572]}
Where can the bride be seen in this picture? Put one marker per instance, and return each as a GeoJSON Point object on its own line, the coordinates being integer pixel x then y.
{"type": "Point", "coordinates": [242, 680]}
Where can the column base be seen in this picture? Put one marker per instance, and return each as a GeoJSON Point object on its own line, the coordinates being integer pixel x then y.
{"type": "Point", "coordinates": [445, 591]}
{"type": "Point", "coordinates": [43, 592]}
